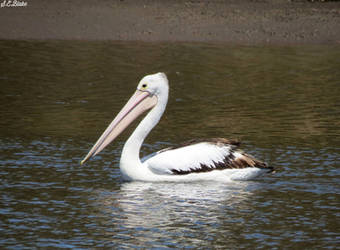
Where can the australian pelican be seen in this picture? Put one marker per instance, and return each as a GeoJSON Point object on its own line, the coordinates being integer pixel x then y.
{"type": "Point", "coordinates": [215, 159]}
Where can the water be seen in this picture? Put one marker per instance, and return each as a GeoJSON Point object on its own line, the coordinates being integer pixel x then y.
{"type": "Point", "coordinates": [57, 97]}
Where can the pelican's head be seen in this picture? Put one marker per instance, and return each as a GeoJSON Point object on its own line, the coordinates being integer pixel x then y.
{"type": "Point", "coordinates": [156, 84]}
{"type": "Point", "coordinates": [151, 90]}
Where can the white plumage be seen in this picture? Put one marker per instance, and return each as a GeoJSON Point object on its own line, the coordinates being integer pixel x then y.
{"type": "Point", "coordinates": [215, 159]}
{"type": "Point", "coordinates": [188, 158]}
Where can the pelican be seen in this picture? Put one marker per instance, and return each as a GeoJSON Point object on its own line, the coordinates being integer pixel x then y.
{"type": "Point", "coordinates": [216, 159]}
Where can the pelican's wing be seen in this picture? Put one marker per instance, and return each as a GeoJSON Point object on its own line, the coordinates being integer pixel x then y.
{"type": "Point", "coordinates": [202, 156]}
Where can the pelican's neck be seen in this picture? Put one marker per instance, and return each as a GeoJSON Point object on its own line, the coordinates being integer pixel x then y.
{"type": "Point", "coordinates": [130, 160]}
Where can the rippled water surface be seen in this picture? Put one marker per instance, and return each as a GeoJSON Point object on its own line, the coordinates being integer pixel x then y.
{"type": "Point", "coordinates": [58, 97]}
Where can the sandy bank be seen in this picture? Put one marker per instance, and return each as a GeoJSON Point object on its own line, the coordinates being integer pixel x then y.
{"type": "Point", "coordinates": [239, 22]}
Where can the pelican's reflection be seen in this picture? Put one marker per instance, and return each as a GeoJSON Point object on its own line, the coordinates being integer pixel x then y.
{"type": "Point", "coordinates": [151, 205]}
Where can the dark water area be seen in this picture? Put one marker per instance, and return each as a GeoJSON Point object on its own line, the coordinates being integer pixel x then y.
{"type": "Point", "coordinates": [57, 97]}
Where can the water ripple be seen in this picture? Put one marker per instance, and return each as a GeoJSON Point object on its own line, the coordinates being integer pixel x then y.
{"type": "Point", "coordinates": [58, 96]}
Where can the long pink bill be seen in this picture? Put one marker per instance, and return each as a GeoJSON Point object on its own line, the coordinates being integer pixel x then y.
{"type": "Point", "coordinates": [139, 102]}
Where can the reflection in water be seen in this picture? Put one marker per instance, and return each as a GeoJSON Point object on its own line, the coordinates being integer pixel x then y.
{"type": "Point", "coordinates": [148, 210]}
{"type": "Point", "coordinates": [58, 96]}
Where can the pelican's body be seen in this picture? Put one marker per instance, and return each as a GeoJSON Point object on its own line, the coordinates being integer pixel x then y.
{"type": "Point", "coordinates": [214, 159]}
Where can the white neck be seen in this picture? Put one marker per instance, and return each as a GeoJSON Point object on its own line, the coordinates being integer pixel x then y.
{"type": "Point", "coordinates": [130, 163]}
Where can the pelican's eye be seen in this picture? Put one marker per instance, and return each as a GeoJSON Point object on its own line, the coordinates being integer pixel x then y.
{"type": "Point", "coordinates": [144, 86]}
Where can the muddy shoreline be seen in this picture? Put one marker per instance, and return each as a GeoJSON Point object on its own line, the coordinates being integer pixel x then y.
{"type": "Point", "coordinates": [237, 22]}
